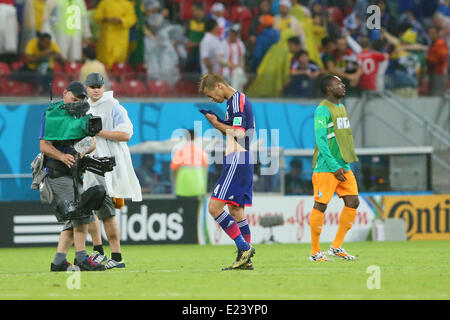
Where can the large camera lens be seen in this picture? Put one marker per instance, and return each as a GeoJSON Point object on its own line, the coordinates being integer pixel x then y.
{"type": "Point", "coordinates": [94, 125]}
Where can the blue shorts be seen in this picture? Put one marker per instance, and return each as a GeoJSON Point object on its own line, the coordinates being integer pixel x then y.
{"type": "Point", "coordinates": [235, 185]}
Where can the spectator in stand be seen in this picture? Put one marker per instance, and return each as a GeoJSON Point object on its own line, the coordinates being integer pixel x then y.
{"type": "Point", "coordinates": [33, 18]}
{"type": "Point", "coordinates": [9, 32]}
{"type": "Point", "coordinates": [233, 59]}
{"type": "Point", "coordinates": [319, 31]}
{"type": "Point", "coordinates": [210, 48]}
{"type": "Point", "coordinates": [444, 7]}
{"type": "Point", "coordinates": [404, 68]}
{"type": "Point", "coordinates": [70, 28]}
{"type": "Point", "coordinates": [41, 54]}
{"type": "Point", "coordinates": [264, 41]}
{"type": "Point", "coordinates": [217, 13]}
{"type": "Point", "coordinates": [91, 64]}
{"type": "Point", "coordinates": [137, 37]}
{"type": "Point", "coordinates": [304, 74]}
{"type": "Point", "coordinates": [369, 61]}
{"type": "Point", "coordinates": [380, 46]}
{"type": "Point", "coordinates": [195, 30]}
{"type": "Point", "coordinates": [386, 20]}
{"type": "Point", "coordinates": [256, 27]}
{"type": "Point", "coordinates": [115, 17]}
{"type": "Point", "coordinates": [147, 176]}
{"type": "Point", "coordinates": [333, 29]}
{"type": "Point", "coordinates": [316, 8]}
{"type": "Point", "coordinates": [328, 49]}
{"type": "Point", "coordinates": [345, 66]}
{"type": "Point", "coordinates": [286, 21]}
{"type": "Point", "coordinates": [442, 22]}
{"type": "Point", "coordinates": [409, 18]}
{"type": "Point", "coordinates": [293, 182]}
{"type": "Point", "coordinates": [294, 46]}
{"type": "Point", "coordinates": [437, 63]}
{"type": "Point", "coordinates": [161, 57]}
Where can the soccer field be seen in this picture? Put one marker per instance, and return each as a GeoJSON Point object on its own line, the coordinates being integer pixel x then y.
{"type": "Point", "coordinates": [408, 270]}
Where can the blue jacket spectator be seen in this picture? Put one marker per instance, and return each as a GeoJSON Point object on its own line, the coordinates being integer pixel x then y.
{"type": "Point", "coordinates": [264, 41]}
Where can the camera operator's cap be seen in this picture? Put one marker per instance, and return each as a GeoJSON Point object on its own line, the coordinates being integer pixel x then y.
{"type": "Point", "coordinates": [94, 79]}
{"type": "Point", "coordinates": [78, 89]}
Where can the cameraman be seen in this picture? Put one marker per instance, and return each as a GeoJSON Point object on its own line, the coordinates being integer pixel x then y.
{"type": "Point", "coordinates": [60, 157]}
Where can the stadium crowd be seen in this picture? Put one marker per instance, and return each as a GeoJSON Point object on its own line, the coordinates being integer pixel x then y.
{"type": "Point", "coordinates": [269, 48]}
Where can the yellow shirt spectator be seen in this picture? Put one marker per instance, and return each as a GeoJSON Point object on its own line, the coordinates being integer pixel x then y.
{"type": "Point", "coordinates": [36, 52]}
{"type": "Point", "coordinates": [115, 18]}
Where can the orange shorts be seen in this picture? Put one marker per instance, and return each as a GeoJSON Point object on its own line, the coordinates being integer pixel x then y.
{"type": "Point", "coordinates": [325, 185]}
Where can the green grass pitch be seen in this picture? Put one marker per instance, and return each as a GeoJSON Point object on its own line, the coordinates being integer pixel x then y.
{"type": "Point", "coordinates": [408, 270]}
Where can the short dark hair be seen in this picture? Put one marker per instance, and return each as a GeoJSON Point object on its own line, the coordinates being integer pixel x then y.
{"type": "Point", "coordinates": [326, 41]}
{"type": "Point", "coordinates": [209, 80]}
{"type": "Point", "coordinates": [210, 24]}
{"type": "Point", "coordinates": [44, 35]}
{"type": "Point", "coordinates": [302, 52]}
{"type": "Point", "coordinates": [325, 82]}
{"type": "Point", "coordinates": [90, 53]}
{"type": "Point", "coordinates": [294, 40]}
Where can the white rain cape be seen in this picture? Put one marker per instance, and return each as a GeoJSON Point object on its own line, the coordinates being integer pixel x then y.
{"type": "Point", "coordinates": [122, 181]}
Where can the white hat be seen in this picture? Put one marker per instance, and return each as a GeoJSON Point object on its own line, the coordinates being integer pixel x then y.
{"type": "Point", "coordinates": [218, 6]}
{"type": "Point", "coordinates": [286, 3]}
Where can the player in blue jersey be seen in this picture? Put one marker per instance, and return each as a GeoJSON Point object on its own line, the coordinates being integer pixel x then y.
{"type": "Point", "coordinates": [235, 185]}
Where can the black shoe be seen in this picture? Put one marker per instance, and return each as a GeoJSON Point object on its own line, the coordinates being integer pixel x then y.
{"type": "Point", "coordinates": [89, 265]}
{"type": "Point", "coordinates": [63, 266]}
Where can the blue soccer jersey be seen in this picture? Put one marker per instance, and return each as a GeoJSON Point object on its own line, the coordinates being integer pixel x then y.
{"type": "Point", "coordinates": [239, 115]}
{"type": "Point", "coordinates": [235, 185]}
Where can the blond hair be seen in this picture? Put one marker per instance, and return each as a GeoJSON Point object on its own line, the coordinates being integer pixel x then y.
{"type": "Point", "coordinates": [209, 81]}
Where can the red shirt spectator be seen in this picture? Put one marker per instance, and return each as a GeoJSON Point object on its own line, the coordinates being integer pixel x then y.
{"type": "Point", "coordinates": [437, 57]}
{"type": "Point", "coordinates": [370, 63]}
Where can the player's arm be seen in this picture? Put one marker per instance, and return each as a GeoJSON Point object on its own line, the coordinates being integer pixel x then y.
{"type": "Point", "coordinates": [322, 117]}
{"type": "Point", "coordinates": [224, 128]}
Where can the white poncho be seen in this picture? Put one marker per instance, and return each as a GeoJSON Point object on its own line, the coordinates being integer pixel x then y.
{"type": "Point", "coordinates": [122, 181]}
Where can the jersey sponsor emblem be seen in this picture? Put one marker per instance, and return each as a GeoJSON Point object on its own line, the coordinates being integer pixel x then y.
{"type": "Point", "coordinates": [237, 121]}
{"type": "Point", "coordinates": [320, 123]}
{"type": "Point", "coordinates": [343, 123]}
{"type": "Point", "coordinates": [320, 194]}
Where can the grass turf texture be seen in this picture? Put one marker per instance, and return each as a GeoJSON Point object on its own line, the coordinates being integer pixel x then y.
{"type": "Point", "coordinates": [409, 270]}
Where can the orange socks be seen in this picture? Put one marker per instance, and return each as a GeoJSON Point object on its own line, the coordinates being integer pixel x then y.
{"type": "Point", "coordinates": [316, 223]}
{"type": "Point", "coordinates": [345, 223]}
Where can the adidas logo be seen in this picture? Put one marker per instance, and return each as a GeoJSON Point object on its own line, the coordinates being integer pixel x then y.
{"type": "Point", "coordinates": [231, 197]}
{"type": "Point", "coordinates": [230, 224]}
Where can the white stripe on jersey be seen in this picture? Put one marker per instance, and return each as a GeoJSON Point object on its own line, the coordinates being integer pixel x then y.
{"type": "Point", "coordinates": [229, 177]}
